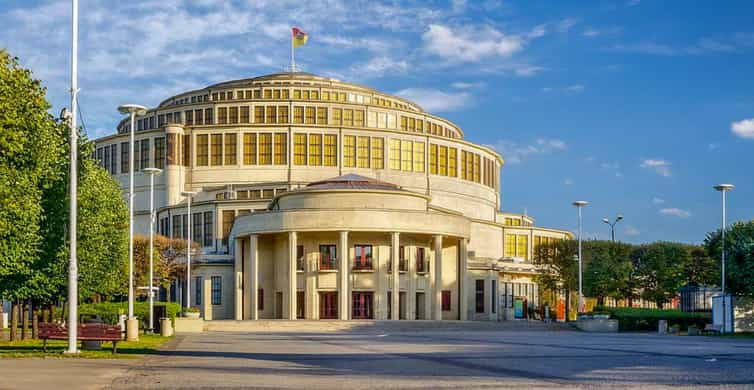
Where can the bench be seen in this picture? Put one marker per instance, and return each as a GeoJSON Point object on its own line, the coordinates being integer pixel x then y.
{"type": "Point", "coordinates": [712, 328]}
{"type": "Point", "coordinates": [86, 332]}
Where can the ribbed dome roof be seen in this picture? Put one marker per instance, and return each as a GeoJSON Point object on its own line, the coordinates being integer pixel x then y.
{"type": "Point", "coordinates": [352, 181]}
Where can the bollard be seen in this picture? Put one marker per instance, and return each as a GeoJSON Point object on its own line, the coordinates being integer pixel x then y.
{"type": "Point", "coordinates": [166, 327]}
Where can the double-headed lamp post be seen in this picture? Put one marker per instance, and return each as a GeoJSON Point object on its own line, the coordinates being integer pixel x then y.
{"type": "Point", "coordinates": [132, 324]}
{"type": "Point", "coordinates": [580, 204]}
{"type": "Point", "coordinates": [723, 188]}
{"type": "Point", "coordinates": [151, 172]}
{"type": "Point", "coordinates": [612, 225]}
{"type": "Point", "coordinates": [189, 196]}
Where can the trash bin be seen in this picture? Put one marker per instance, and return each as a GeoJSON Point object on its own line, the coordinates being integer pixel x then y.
{"type": "Point", "coordinates": [160, 312]}
{"type": "Point", "coordinates": [91, 345]}
{"type": "Point", "coordinates": [166, 327]}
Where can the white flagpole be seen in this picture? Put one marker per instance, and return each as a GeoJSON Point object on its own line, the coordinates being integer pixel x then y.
{"type": "Point", "coordinates": [293, 58]}
{"type": "Point", "coordinates": [73, 294]}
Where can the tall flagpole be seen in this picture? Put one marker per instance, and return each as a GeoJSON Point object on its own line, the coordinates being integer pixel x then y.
{"type": "Point", "coordinates": [293, 58]}
{"type": "Point", "coordinates": [72, 265]}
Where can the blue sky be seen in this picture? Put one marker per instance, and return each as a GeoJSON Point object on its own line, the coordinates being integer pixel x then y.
{"type": "Point", "coordinates": [637, 106]}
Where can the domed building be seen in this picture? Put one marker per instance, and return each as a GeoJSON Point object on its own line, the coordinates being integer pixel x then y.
{"type": "Point", "coordinates": [320, 199]}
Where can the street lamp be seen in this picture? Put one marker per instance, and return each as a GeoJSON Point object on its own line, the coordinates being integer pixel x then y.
{"type": "Point", "coordinates": [132, 325]}
{"type": "Point", "coordinates": [580, 204]}
{"type": "Point", "coordinates": [723, 188]}
{"type": "Point", "coordinates": [189, 195]}
{"type": "Point", "coordinates": [151, 172]}
{"type": "Point", "coordinates": [612, 225]}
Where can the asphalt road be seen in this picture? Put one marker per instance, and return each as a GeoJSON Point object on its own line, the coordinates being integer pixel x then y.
{"type": "Point", "coordinates": [430, 359]}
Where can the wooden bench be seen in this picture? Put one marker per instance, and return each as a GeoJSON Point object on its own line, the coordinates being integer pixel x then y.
{"type": "Point", "coordinates": [86, 332]}
{"type": "Point", "coordinates": [712, 328]}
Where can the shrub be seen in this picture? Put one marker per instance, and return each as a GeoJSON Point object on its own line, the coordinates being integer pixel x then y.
{"type": "Point", "coordinates": [638, 319]}
{"type": "Point", "coordinates": [109, 312]}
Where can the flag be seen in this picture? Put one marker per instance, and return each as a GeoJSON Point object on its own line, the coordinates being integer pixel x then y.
{"type": "Point", "coordinates": [299, 37]}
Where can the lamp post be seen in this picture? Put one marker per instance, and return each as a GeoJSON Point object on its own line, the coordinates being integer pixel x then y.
{"type": "Point", "coordinates": [189, 195]}
{"type": "Point", "coordinates": [580, 204]}
{"type": "Point", "coordinates": [151, 172]}
{"type": "Point", "coordinates": [73, 271]}
{"type": "Point", "coordinates": [612, 225]}
{"type": "Point", "coordinates": [132, 325]}
{"type": "Point", "coordinates": [723, 188]}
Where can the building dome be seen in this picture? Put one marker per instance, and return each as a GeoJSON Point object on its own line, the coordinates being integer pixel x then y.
{"type": "Point", "coordinates": [353, 182]}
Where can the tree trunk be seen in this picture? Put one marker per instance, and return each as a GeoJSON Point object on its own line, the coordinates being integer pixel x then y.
{"type": "Point", "coordinates": [62, 314]}
{"type": "Point", "coordinates": [24, 319]}
{"type": "Point", "coordinates": [51, 312]}
{"type": "Point", "coordinates": [34, 321]}
{"type": "Point", "coordinates": [14, 321]}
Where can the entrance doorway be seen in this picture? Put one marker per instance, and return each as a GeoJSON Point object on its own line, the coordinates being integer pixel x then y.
{"type": "Point", "coordinates": [328, 305]}
{"type": "Point", "coordinates": [421, 313]}
{"type": "Point", "coordinates": [362, 305]}
{"type": "Point", "coordinates": [401, 305]}
{"type": "Point", "coordinates": [279, 304]}
{"type": "Point", "coordinates": [300, 309]}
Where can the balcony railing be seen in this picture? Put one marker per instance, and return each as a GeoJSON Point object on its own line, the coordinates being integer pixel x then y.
{"type": "Point", "coordinates": [362, 264]}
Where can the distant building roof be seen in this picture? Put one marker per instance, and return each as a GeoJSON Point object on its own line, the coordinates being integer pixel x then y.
{"type": "Point", "coordinates": [352, 181]}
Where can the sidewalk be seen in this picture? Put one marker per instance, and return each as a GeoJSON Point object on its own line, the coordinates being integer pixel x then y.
{"type": "Point", "coordinates": [61, 373]}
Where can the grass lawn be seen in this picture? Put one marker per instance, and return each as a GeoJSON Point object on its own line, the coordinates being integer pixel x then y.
{"type": "Point", "coordinates": [147, 344]}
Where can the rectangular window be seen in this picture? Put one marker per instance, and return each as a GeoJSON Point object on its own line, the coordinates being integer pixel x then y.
{"type": "Point", "coordinates": [452, 168]}
{"type": "Point", "coordinates": [362, 305]}
{"type": "Point", "coordinates": [347, 117]}
{"type": "Point", "coordinates": [395, 154]}
{"type": "Point", "coordinates": [124, 149]}
{"type": "Point", "coordinates": [296, 94]}
{"type": "Point", "coordinates": [229, 216]}
{"type": "Point", "coordinates": [282, 114]}
{"type": "Point", "coordinates": [189, 117]}
{"type": "Point", "coordinates": [358, 118]}
{"type": "Point", "coordinates": [208, 116]}
{"type": "Point", "coordinates": [298, 114]}
{"type": "Point", "coordinates": [267, 94]}
{"type": "Point", "coordinates": [331, 150]}
{"type": "Point", "coordinates": [310, 115]}
{"type": "Point", "coordinates": [479, 295]}
{"type": "Point", "coordinates": [421, 260]}
{"type": "Point", "coordinates": [222, 115]}
{"type": "Point", "coordinates": [272, 114]}
{"type": "Point", "coordinates": [433, 159]}
{"type": "Point", "coordinates": [159, 153]}
{"type": "Point", "coordinates": [477, 169]}
{"type": "Point", "coordinates": [276, 94]}
{"type": "Point", "coordinates": [106, 161]}
{"type": "Point", "coordinates": [172, 148]}
{"type": "Point", "coordinates": [257, 94]}
{"type": "Point", "coordinates": [406, 155]}
{"type": "Point", "coordinates": [362, 257]}
{"type": "Point", "coordinates": [362, 152]}
{"type": "Point", "coordinates": [217, 149]}
{"type": "Point", "coordinates": [402, 264]}
{"type": "Point", "coordinates": [510, 245]}
{"type": "Point", "coordinates": [186, 149]}
{"type": "Point", "coordinates": [446, 300]}
{"type": "Point", "coordinates": [176, 226]}
{"type": "Point", "coordinates": [244, 114]}
{"type": "Point", "coordinates": [404, 123]}
{"type": "Point", "coordinates": [114, 156]}
{"type": "Point", "coordinates": [315, 149]}
{"type": "Point", "coordinates": [196, 227]}
{"type": "Point", "coordinates": [250, 148]}
{"type": "Point", "coordinates": [378, 152]}
{"type": "Point", "coordinates": [259, 114]}
{"type": "Point", "coordinates": [285, 94]}
{"type": "Point", "coordinates": [231, 140]}
{"type": "Point", "coordinates": [184, 226]}
{"type": "Point", "coordinates": [337, 116]}
{"type": "Point", "coordinates": [321, 115]}
{"type": "Point", "coordinates": [522, 246]}
{"type": "Point", "coordinates": [265, 149]}
{"type": "Point", "coordinates": [209, 235]}
{"type": "Point", "coordinates": [217, 290]}
{"type": "Point", "coordinates": [442, 161]}
{"type": "Point", "coordinates": [197, 290]}
{"type": "Point", "coordinates": [260, 299]}
{"type": "Point", "coordinates": [349, 151]}
{"type": "Point", "coordinates": [300, 259]}
{"type": "Point", "coordinates": [327, 257]}
{"type": "Point", "coordinates": [469, 166]}
{"type": "Point", "coordinates": [299, 149]}
{"type": "Point", "coordinates": [418, 156]}
{"type": "Point", "coordinates": [144, 154]}
{"type": "Point", "coordinates": [328, 305]}
{"type": "Point", "coordinates": [281, 148]}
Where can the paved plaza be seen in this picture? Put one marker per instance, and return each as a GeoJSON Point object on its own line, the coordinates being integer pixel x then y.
{"type": "Point", "coordinates": [425, 358]}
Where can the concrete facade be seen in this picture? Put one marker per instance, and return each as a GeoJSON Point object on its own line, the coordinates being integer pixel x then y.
{"type": "Point", "coordinates": [287, 164]}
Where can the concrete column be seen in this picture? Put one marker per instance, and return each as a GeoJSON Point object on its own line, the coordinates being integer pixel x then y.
{"type": "Point", "coordinates": [292, 287]}
{"type": "Point", "coordinates": [395, 247]}
{"type": "Point", "coordinates": [238, 281]}
{"type": "Point", "coordinates": [252, 267]}
{"type": "Point", "coordinates": [344, 289]}
{"type": "Point", "coordinates": [463, 295]}
{"type": "Point", "coordinates": [437, 304]}
{"type": "Point", "coordinates": [207, 299]}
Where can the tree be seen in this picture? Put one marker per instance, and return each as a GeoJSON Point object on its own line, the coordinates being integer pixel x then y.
{"type": "Point", "coordinates": [607, 268]}
{"type": "Point", "coordinates": [701, 268]}
{"type": "Point", "coordinates": [557, 269]}
{"type": "Point", "coordinates": [166, 252]}
{"type": "Point", "coordinates": [660, 270]}
{"type": "Point", "coordinates": [739, 256]}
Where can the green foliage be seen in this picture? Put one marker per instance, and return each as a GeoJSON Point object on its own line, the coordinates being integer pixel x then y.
{"type": "Point", "coordinates": [660, 268]}
{"type": "Point", "coordinates": [607, 268]}
{"type": "Point", "coordinates": [638, 319]}
{"type": "Point", "coordinates": [739, 256]}
{"type": "Point", "coordinates": [110, 312]}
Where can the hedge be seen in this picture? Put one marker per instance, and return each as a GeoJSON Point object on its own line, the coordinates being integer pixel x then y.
{"type": "Point", "coordinates": [110, 312]}
{"type": "Point", "coordinates": [638, 319]}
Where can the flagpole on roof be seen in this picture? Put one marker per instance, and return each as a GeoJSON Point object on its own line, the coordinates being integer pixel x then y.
{"type": "Point", "coordinates": [293, 59]}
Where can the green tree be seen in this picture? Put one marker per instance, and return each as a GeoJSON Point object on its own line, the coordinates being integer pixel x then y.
{"type": "Point", "coordinates": [607, 268]}
{"type": "Point", "coordinates": [701, 268]}
{"type": "Point", "coordinates": [557, 269]}
{"type": "Point", "coordinates": [739, 256]}
{"type": "Point", "coordinates": [660, 270]}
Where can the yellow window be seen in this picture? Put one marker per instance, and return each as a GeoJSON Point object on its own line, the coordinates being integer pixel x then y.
{"type": "Point", "coordinates": [404, 123]}
{"type": "Point", "coordinates": [258, 114]}
{"type": "Point", "coordinates": [315, 95]}
{"type": "Point", "coordinates": [250, 148]}
{"type": "Point", "coordinates": [378, 152]}
{"type": "Point", "coordinates": [522, 246]}
{"type": "Point", "coordinates": [477, 169]}
{"type": "Point", "coordinates": [362, 152]}
{"type": "Point", "coordinates": [202, 150]}
{"type": "Point", "coordinates": [265, 148]}
{"type": "Point", "coordinates": [315, 149]}
{"type": "Point", "coordinates": [469, 166]}
{"type": "Point", "coordinates": [406, 156]}
{"type": "Point", "coordinates": [257, 94]}
{"type": "Point", "coordinates": [395, 154]}
{"type": "Point", "coordinates": [271, 114]}
{"type": "Point", "coordinates": [443, 161]}
{"type": "Point", "coordinates": [433, 159]}
{"type": "Point", "coordinates": [283, 114]}
{"type": "Point", "coordinates": [244, 114]}
{"type": "Point", "coordinates": [337, 114]}
{"type": "Point", "coordinates": [325, 95]}
{"type": "Point", "coordinates": [305, 95]}
{"type": "Point", "coordinates": [281, 148]}
{"type": "Point", "coordinates": [418, 156]}
{"type": "Point", "coordinates": [296, 94]}
{"type": "Point", "coordinates": [420, 125]}
{"type": "Point", "coordinates": [331, 150]}
{"type": "Point", "coordinates": [268, 94]}
{"type": "Point", "coordinates": [452, 165]}
{"type": "Point", "coordinates": [310, 115]}
{"type": "Point", "coordinates": [285, 94]}
{"type": "Point", "coordinates": [349, 151]}
{"type": "Point", "coordinates": [358, 119]}
{"type": "Point", "coordinates": [510, 245]}
{"type": "Point", "coordinates": [321, 115]}
{"type": "Point", "coordinates": [411, 124]}
{"type": "Point", "coordinates": [276, 94]}
{"type": "Point", "coordinates": [222, 115]}
{"type": "Point", "coordinates": [342, 97]}
{"type": "Point", "coordinates": [217, 149]}
{"type": "Point", "coordinates": [231, 140]}
{"type": "Point", "coordinates": [299, 149]}
{"type": "Point", "coordinates": [298, 114]}
{"type": "Point", "coordinates": [347, 117]}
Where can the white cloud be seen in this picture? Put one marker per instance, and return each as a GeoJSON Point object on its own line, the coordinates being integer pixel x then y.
{"type": "Point", "coordinates": [631, 231]}
{"type": "Point", "coordinates": [569, 89]}
{"type": "Point", "coordinates": [434, 100]}
{"type": "Point", "coordinates": [467, 85]}
{"type": "Point", "coordinates": [568, 182]}
{"type": "Point", "coordinates": [470, 44]}
{"type": "Point", "coordinates": [660, 167]}
{"type": "Point", "coordinates": [713, 146]}
{"type": "Point", "coordinates": [576, 88]}
{"type": "Point", "coordinates": [657, 200]}
{"type": "Point", "coordinates": [515, 153]}
{"type": "Point", "coordinates": [744, 128]}
{"type": "Point", "coordinates": [675, 212]}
